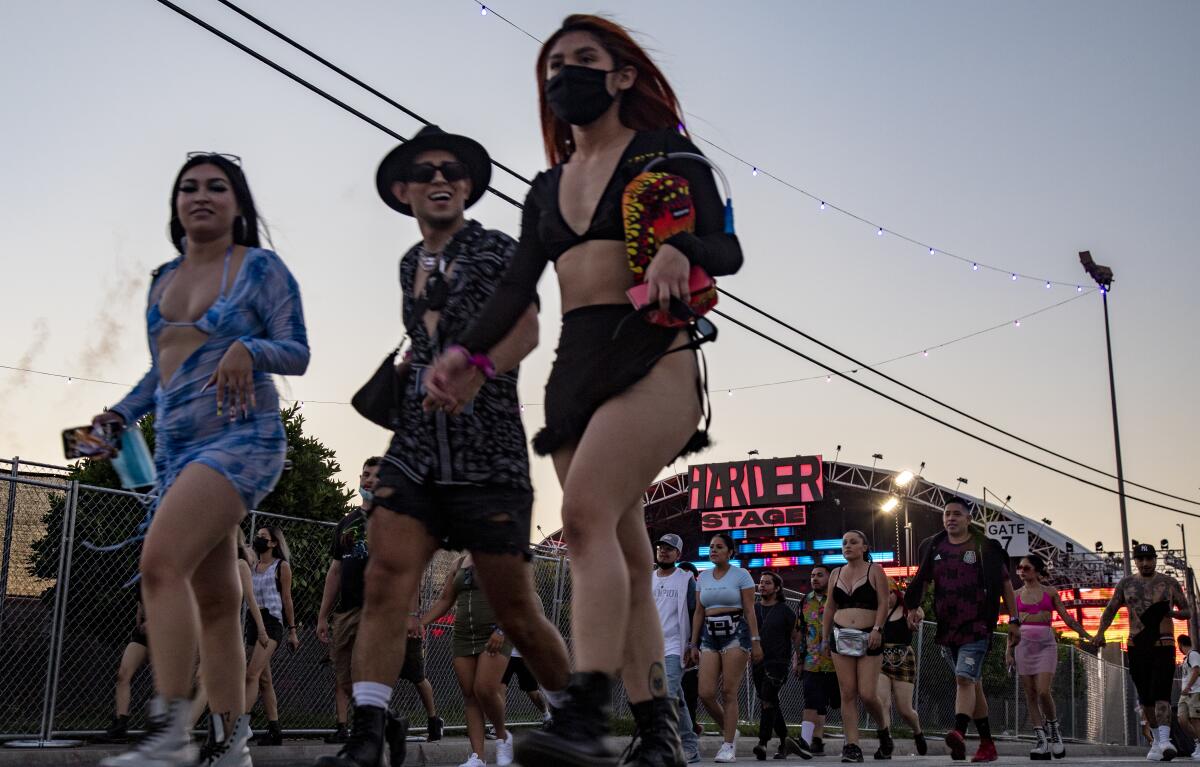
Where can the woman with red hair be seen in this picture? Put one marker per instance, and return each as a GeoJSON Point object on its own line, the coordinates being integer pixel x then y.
{"type": "Point", "coordinates": [619, 406]}
{"type": "Point", "coordinates": [899, 670]}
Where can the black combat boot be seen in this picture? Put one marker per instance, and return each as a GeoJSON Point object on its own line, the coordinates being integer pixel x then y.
{"type": "Point", "coordinates": [577, 735]}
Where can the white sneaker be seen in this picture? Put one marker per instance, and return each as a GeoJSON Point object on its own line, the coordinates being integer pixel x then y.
{"type": "Point", "coordinates": [1155, 753]}
{"type": "Point", "coordinates": [504, 751]}
{"type": "Point", "coordinates": [232, 751]}
{"type": "Point", "coordinates": [166, 743]}
{"type": "Point", "coordinates": [473, 761]}
{"type": "Point", "coordinates": [726, 754]}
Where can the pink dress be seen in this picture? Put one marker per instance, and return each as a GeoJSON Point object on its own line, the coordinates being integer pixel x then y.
{"type": "Point", "coordinates": [1037, 653]}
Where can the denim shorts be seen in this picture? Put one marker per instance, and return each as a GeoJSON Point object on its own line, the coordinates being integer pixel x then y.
{"type": "Point", "coordinates": [967, 660]}
{"type": "Point", "coordinates": [739, 640]}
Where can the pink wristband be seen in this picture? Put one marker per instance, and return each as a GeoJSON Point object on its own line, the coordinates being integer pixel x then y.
{"type": "Point", "coordinates": [481, 362]}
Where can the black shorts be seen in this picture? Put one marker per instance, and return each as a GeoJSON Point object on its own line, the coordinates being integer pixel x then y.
{"type": "Point", "coordinates": [272, 624]}
{"type": "Point", "coordinates": [821, 691]}
{"type": "Point", "coordinates": [524, 676]}
{"type": "Point", "coordinates": [1153, 671]}
{"type": "Point", "coordinates": [603, 350]}
{"type": "Point", "coordinates": [462, 516]}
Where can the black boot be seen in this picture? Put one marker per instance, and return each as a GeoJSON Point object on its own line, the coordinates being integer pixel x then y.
{"type": "Point", "coordinates": [117, 732]}
{"type": "Point", "coordinates": [886, 745]}
{"type": "Point", "coordinates": [433, 730]}
{"type": "Point", "coordinates": [656, 739]}
{"type": "Point", "coordinates": [372, 737]}
{"type": "Point", "coordinates": [577, 733]}
{"type": "Point", "coordinates": [272, 737]}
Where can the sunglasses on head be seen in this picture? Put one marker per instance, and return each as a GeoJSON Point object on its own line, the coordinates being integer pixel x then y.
{"type": "Point", "coordinates": [424, 172]}
{"type": "Point", "coordinates": [233, 158]}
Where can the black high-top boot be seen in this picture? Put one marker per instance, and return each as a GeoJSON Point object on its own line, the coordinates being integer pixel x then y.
{"type": "Point", "coordinates": [656, 740]}
{"type": "Point", "coordinates": [372, 741]}
{"type": "Point", "coordinates": [577, 735]}
{"type": "Point", "coordinates": [117, 732]}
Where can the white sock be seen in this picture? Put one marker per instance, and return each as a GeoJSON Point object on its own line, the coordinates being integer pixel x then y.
{"type": "Point", "coordinates": [1164, 734]}
{"type": "Point", "coordinates": [545, 716]}
{"type": "Point", "coordinates": [372, 694]}
{"type": "Point", "coordinates": [806, 731]}
{"type": "Point", "coordinates": [555, 698]}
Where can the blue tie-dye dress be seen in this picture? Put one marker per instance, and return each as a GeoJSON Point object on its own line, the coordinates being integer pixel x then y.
{"type": "Point", "coordinates": [262, 310]}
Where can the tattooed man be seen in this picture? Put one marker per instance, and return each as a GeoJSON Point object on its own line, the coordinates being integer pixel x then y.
{"type": "Point", "coordinates": [1149, 597]}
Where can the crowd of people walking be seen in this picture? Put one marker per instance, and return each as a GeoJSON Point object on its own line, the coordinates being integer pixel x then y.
{"type": "Point", "coordinates": [625, 397]}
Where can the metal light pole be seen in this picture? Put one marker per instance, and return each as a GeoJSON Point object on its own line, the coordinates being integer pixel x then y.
{"type": "Point", "coordinates": [1190, 584]}
{"type": "Point", "coordinates": [1103, 277]}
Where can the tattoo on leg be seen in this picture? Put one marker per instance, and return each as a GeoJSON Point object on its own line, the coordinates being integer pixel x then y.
{"type": "Point", "coordinates": [658, 680]}
{"type": "Point", "coordinates": [1162, 712]}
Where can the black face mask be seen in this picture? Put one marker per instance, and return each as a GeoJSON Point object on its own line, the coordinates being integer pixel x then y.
{"type": "Point", "coordinates": [261, 545]}
{"type": "Point", "coordinates": [579, 95]}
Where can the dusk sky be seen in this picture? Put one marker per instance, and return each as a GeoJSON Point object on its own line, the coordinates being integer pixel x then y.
{"type": "Point", "coordinates": [1012, 134]}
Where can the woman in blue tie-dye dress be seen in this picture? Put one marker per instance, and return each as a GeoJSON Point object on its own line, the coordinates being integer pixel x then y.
{"type": "Point", "coordinates": [221, 318]}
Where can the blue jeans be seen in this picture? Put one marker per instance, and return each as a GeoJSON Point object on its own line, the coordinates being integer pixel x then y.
{"type": "Point", "coordinates": [967, 660]}
{"type": "Point", "coordinates": [691, 742]}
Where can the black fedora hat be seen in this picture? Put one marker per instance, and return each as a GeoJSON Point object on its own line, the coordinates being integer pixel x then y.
{"type": "Point", "coordinates": [397, 162]}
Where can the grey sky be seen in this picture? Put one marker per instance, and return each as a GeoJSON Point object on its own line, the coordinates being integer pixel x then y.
{"type": "Point", "coordinates": [1014, 133]}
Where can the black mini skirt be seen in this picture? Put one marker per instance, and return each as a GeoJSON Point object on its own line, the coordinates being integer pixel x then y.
{"type": "Point", "coordinates": [598, 357]}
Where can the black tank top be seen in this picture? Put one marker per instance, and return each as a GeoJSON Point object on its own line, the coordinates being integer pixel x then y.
{"type": "Point", "coordinates": [897, 631]}
{"type": "Point", "coordinates": [863, 597]}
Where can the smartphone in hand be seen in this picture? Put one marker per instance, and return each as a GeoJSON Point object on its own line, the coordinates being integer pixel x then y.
{"type": "Point", "coordinates": [90, 441]}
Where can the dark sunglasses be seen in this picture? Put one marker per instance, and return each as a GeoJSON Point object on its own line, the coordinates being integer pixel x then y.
{"type": "Point", "coordinates": [424, 172]}
{"type": "Point", "coordinates": [233, 158]}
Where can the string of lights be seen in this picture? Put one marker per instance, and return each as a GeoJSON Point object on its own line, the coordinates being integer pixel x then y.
{"type": "Point", "coordinates": [741, 324]}
{"type": "Point", "coordinates": [824, 204]}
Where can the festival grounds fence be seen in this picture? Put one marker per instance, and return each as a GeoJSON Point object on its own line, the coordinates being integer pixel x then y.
{"type": "Point", "coordinates": [66, 615]}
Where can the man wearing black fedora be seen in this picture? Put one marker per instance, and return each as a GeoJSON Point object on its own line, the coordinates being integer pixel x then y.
{"type": "Point", "coordinates": [453, 477]}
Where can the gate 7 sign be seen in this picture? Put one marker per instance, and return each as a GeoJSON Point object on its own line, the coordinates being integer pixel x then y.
{"type": "Point", "coordinates": [1013, 536]}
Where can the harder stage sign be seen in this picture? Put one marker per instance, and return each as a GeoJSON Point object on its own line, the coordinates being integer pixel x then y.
{"type": "Point", "coordinates": [1013, 536]}
{"type": "Point", "coordinates": [756, 484]}
{"type": "Point", "coordinates": [740, 519]}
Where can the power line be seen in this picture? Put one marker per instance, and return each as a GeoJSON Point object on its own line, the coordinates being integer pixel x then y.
{"type": "Point", "coordinates": [301, 81]}
{"type": "Point", "coordinates": [880, 230]}
{"type": "Point", "coordinates": [941, 421]}
{"type": "Point", "coordinates": [330, 98]}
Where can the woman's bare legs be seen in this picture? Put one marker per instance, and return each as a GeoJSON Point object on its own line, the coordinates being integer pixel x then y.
{"type": "Point", "coordinates": [884, 693]}
{"type": "Point", "coordinates": [733, 668]}
{"type": "Point", "coordinates": [603, 477]}
{"type": "Point", "coordinates": [847, 674]}
{"type": "Point", "coordinates": [187, 570]}
{"type": "Point", "coordinates": [489, 669]}
{"type": "Point", "coordinates": [1029, 685]}
{"type": "Point", "coordinates": [904, 704]}
{"type": "Point", "coordinates": [464, 669]}
{"type": "Point", "coordinates": [260, 660]}
{"type": "Point", "coordinates": [710, 673]}
{"type": "Point", "coordinates": [131, 660]}
{"type": "Point", "coordinates": [266, 688]}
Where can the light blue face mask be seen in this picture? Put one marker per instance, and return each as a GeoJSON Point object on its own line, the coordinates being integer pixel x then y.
{"type": "Point", "coordinates": [366, 494]}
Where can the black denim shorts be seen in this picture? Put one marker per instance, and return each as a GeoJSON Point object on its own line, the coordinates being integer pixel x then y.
{"type": "Point", "coordinates": [489, 519]}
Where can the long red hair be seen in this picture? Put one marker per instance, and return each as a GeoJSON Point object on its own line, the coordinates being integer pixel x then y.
{"type": "Point", "coordinates": [649, 105]}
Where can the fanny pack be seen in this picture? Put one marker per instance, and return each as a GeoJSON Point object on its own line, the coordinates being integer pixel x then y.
{"type": "Point", "coordinates": [850, 642]}
{"type": "Point", "coordinates": [723, 626]}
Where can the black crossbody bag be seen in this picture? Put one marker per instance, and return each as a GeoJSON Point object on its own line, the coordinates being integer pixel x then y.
{"type": "Point", "coordinates": [380, 399]}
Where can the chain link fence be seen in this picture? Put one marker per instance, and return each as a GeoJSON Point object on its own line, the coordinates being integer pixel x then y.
{"type": "Point", "coordinates": [67, 613]}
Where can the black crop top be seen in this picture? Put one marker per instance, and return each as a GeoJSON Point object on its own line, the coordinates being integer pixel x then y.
{"type": "Point", "coordinates": [545, 235]}
{"type": "Point", "coordinates": [897, 631]}
{"type": "Point", "coordinates": [863, 597]}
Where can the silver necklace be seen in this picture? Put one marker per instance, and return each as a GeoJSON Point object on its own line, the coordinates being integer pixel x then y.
{"type": "Point", "coordinates": [429, 261]}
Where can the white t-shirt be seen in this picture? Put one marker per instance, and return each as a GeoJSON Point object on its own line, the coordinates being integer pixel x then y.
{"type": "Point", "coordinates": [670, 597]}
{"type": "Point", "coordinates": [1190, 662]}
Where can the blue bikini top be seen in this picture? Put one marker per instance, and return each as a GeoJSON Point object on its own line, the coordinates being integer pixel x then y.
{"type": "Point", "coordinates": [207, 322]}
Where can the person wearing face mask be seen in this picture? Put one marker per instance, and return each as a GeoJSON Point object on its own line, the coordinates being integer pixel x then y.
{"type": "Point", "coordinates": [338, 626]}
{"type": "Point", "coordinates": [454, 478]}
{"type": "Point", "coordinates": [618, 405]}
{"type": "Point", "coordinates": [221, 319]}
{"type": "Point", "coordinates": [271, 576]}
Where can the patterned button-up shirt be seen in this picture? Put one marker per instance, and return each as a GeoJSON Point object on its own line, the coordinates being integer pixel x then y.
{"type": "Point", "coordinates": [812, 615]}
{"type": "Point", "coordinates": [486, 443]}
